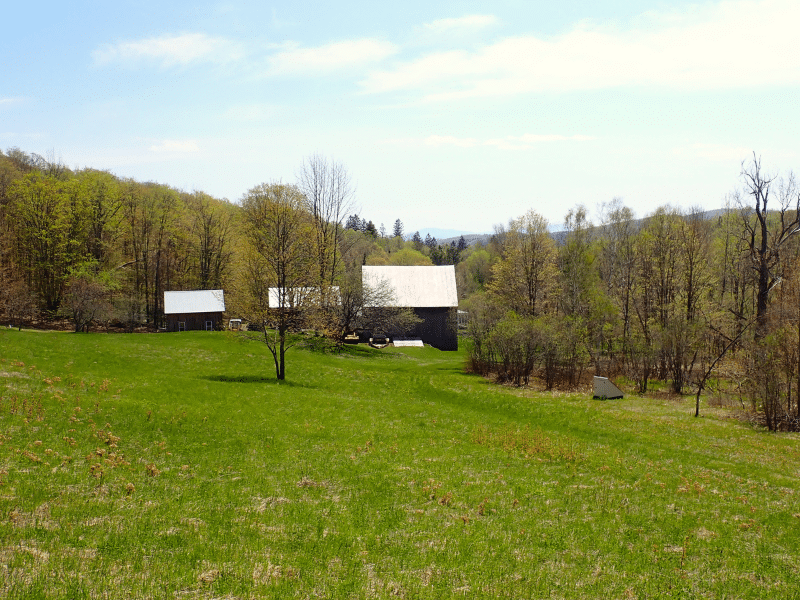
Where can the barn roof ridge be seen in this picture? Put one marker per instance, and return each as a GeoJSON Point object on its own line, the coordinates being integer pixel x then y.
{"type": "Point", "coordinates": [193, 301]}
{"type": "Point", "coordinates": [421, 286]}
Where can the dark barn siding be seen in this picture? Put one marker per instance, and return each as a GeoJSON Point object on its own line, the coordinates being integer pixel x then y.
{"type": "Point", "coordinates": [439, 328]}
{"type": "Point", "coordinates": [195, 321]}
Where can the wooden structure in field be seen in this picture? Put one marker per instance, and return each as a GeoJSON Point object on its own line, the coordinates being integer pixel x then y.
{"type": "Point", "coordinates": [430, 292]}
{"type": "Point", "coordinates": [195, 310]}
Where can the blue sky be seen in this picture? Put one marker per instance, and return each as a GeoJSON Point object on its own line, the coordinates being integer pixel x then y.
{"type": "Point", "coordinates": [447, 114]}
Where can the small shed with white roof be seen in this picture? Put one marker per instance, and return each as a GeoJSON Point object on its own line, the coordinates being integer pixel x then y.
{"type": "Point", "coordinates": [194, 310]}
{"type": "Point", "coordinates": [430, 292]}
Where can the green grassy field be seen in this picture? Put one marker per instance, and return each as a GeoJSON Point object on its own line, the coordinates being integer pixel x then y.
{"type": "Point", "coordinates": [175, 466]}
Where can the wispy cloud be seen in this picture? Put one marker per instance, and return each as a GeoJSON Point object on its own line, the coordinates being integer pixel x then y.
{"type": "Point", "coordinates": [175, 146]}
{"type": "Point", "coordinates": [170, 50]}
{"type": "Point", "coordinates": [511, 142]}
{"type": "Point", "coordinates": [329, 57]}
{"type": "Point", "coordinates": [460, 23]}
{"type": "Point", "coordinates": [715, 152]}
{"type": "Point", "coordinates": [449, 140]}
{"type": "Point", "coordinates": [730, 44]}
{"type": "Point", "coordinates": [6, 102]}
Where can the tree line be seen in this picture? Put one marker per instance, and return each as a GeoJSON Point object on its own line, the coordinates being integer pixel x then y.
{"type": "Point", "coordinates": [670, 298]}
{"type": "Point", "coordinates": [100, 250]}
{"type": "Point", "coordinates": [94, 247]}
{"type": "Point", "coordinates": [675, 297]}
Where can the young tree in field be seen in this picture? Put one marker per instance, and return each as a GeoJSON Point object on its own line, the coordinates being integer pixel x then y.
{"type": "Point", "coordinates": [282, 257]}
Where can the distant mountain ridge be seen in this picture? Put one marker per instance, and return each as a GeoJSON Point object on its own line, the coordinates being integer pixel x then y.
{"type": "Point", "coordinates": [440, 234]}
{"type": "Point", "coordinates": [559, 236]}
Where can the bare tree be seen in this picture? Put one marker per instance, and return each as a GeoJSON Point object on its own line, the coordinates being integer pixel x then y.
{"type": "Point", "coordinates": [86, 300]}
{"type": "Point", "coordinates": [365, 306]}
{"type": "Point", "coordinates": [328, 193]}
{"type": "Point", "coordinates": [766, 234]}
{"type": "Point", "coordinates": [18, 302]}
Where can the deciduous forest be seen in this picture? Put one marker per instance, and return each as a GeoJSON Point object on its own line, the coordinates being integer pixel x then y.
{"type": "Point", "coordinates": [691, 300]}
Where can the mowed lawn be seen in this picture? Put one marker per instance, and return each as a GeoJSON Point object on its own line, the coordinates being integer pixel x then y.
{"type": "Point", "coordinates": [175, 466]}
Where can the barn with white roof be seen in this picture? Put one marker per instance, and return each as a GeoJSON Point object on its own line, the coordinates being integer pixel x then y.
{"type": "Point", "coordinates": [194, 310]}
{"type": "Point", "coordinates": [430, 292]}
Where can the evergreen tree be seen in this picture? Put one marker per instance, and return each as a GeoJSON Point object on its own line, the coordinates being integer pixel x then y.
{"type": "Point", "coordinates": [398, 228]}
{"type": "Point", "coordinates": [353, 222]}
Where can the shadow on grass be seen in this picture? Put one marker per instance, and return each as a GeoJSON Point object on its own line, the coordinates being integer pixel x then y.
{"type": "Point", "coordinates": [252, 379]}
{"type": "Point", "coordinates": [350, 350]}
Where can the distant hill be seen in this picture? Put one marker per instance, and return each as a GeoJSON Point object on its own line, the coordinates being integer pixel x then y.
{"type": "Point", "coordinates": [470, 238]}
{"type": "Point", "coordinates": [445, 236]}
{"type": "Point", "coordinates": [560, 236]}
{"type": "Point", "coordinates": [440, 234]}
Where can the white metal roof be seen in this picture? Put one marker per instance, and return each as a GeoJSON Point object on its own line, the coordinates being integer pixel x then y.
{"type": "Point", "coordinates": [415, 287]}
{"type": "Point", "coordinates": [194, 301]}
{"type": "Point", "coordinates": [301, 296]}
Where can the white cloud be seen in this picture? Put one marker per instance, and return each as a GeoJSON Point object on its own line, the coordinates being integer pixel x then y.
{"type": "Point", "coordinates": [522, 142]}
{"type": "Point", "coordinates": [731, 44]}
{"type": "Point", "coordinates": [466, 22]}
{"type": "Point", "coordinates": [715, 152]}
{"type": "Point", "coordinates": [6, 102]}
{"type": "Point", "coordinates": [330, 57]}
{"type": "Point", "coordinates": [175, 146]}
{"type": "Point", "coordinates": [449, 140]}
{"type": "Point", "coordinates": [170, 50]}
